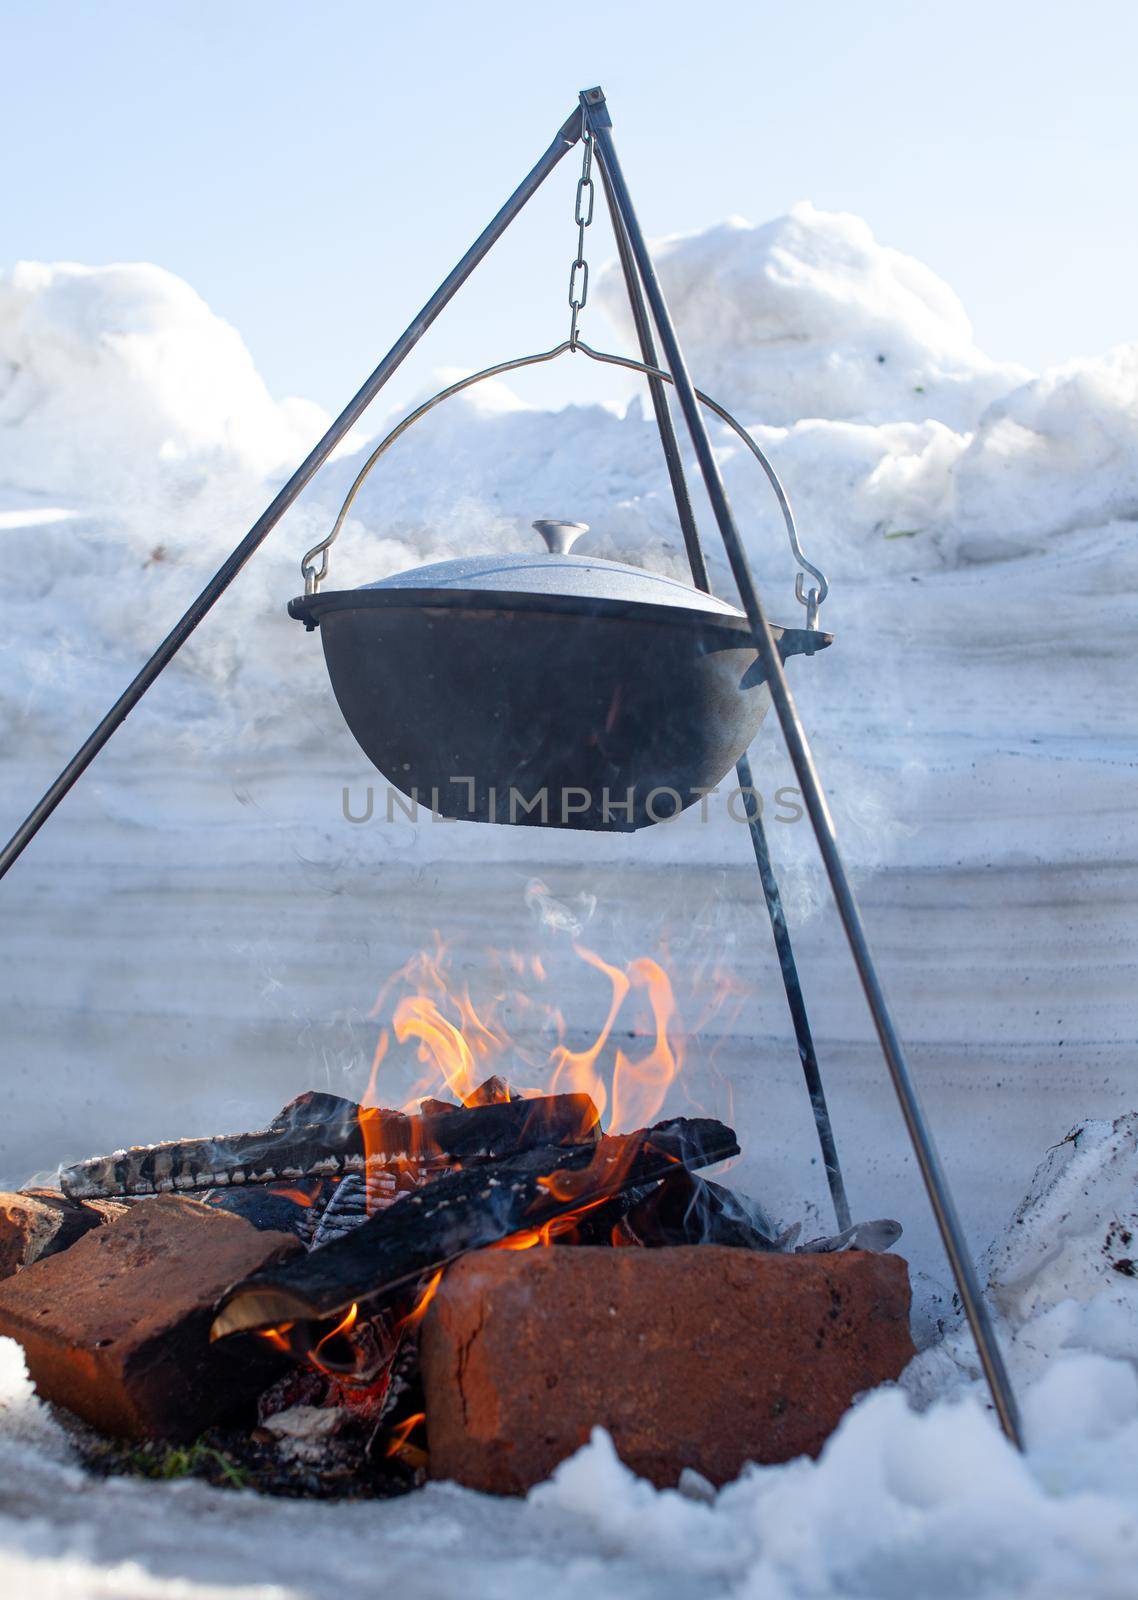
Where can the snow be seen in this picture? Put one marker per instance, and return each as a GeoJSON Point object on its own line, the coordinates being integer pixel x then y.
{"type": "Point", "coordinates": [809, 316]}
{"type": "Point", "coordinates": [202, 932]}
{"type": "Point", "coordinates": [123, 385]}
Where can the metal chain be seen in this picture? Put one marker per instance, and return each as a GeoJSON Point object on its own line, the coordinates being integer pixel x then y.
{"type": "Point", "coordinates": [582, 216]}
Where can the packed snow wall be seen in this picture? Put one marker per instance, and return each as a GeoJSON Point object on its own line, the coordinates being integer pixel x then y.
{"type": "Point", "coordinates": [203, 927]}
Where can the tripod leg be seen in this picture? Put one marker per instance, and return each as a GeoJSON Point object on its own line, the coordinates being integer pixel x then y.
{"type": "Point", "coordinates": [566, 138]}
{"type": "Point", "coordinates": [795, 999]}
{"type": "Point", "coordinates": [928, 1159]}
{"type": "Point", "coordinates": [658, 390]}
{"type": "Point", "coordinates": [696, 560]}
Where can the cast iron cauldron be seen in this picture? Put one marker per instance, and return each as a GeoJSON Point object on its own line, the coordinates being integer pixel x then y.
{"type": "Point", "coordinates": [551, 689]}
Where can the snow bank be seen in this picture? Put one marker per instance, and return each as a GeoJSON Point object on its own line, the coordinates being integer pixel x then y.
{"type": "Point", "coordinates": [1063, 1278]}
{"type": "Point", "coordinates": [118, 384]}
{"type": "Point", "coordinates": [1058, 453]}
{"type": "Point", "coordinates": [808, 316]}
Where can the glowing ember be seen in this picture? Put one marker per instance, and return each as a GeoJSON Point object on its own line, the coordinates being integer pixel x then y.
{"type": "Point", "coordinates": [301, 1197]}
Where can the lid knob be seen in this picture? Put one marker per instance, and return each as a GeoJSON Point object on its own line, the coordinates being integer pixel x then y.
{"type": "Point", "coordinates": [560, 537]}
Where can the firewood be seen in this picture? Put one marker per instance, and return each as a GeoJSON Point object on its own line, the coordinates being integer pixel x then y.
{"type": "Point", "coordinates": [276, 1208]}
{"type": "Point", "coordinates": [464, 1211]}
{"type": "Point", "coordinates": [323, 1136]}
{"type": "Point", "coordinates": [687, 1209]}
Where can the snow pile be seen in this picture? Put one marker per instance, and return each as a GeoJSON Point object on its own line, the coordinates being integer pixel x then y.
{"type": "Point", "coordinates": [856, 368]}
{"type": "Point", "coordinates": [1058, 453]}
{"type": "Point", "coordinates": [808, 316]}
{"type": "Point", "coordinates": [120, 387]}
{"type": "Point", "coordinates": [1063, 1276]}
{"type": "Point", "coordinates": [901, 1502]}
{"type": "Point", "coordinates": [1067, 1265]}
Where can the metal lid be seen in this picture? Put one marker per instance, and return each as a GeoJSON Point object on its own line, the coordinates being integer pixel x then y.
{"type": "Point", "coordinates": [558, 574]}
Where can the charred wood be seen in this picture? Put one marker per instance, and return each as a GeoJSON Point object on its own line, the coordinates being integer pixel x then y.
{"type": "Point", "coordinates": [463, 1211]}
{"type": "Point", "coordinates": [355, 1199]}
{"type": "Point", "coordinates": [321, 1135]}
{"type": "Point", "coordinates": [294, 1209]}
{"type": "Point", "coordinates": [688, 1209]}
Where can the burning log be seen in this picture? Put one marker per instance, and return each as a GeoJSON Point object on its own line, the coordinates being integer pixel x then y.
{"type": "Point", "coordinates": [464, 1211]}
{"type": "Point", "coordinates": [276, 1208]}
{"type": "Point", "coordinates": [322, 1135]}
{"type": "Point", "coordinates": [687, 1209]}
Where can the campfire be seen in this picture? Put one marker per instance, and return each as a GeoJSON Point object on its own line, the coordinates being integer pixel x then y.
{"type": "Point", "coordinates": [304, 1275]}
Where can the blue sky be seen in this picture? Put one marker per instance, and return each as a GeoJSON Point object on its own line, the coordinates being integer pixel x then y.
{"type": "Point", "coordinates": [314, 170]}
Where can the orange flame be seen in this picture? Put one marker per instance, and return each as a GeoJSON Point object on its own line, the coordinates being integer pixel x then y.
{"type": "Point", "coordinates": [458, 1044]}
{"type": "Point", "coordinates": [340, 1363]}
{"type": "Point", "coordinates": [278, 1337]}
{"type": "Point", "coordinates": [345, 1325]}
{"type": "Point", "coordinates": [397, 1444]}
{"type": "Point", "coordinates": [557, 1229]}
{"type": "Point", "coordinates": [291, 1339]}
{"type": "Point", "coordinates": [575, 1071]}
{"type": "Point", "coordinates": [419, 1309]}
{"type": "Point", "coordinates": [639, 1088]}
{"type": "Point", "coordinates": [441, 1043]}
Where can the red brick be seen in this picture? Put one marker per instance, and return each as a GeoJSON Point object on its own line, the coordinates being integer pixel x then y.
{"type": "Point", "coordinates": [117, 1327]}
{"type": "Point", "coordinates": [701, 1357]}
{"type": "Point", "coordinates": [41, 1222]}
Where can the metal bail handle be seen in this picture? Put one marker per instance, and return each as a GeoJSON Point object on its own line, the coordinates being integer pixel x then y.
{"type": "Point", "coordinates": [556, 535]}
{"type": "Point", "coordinates": [812, 598]}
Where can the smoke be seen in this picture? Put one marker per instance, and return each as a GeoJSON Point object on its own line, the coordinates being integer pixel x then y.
{"type": "Point", "coordinates": [559, 916]}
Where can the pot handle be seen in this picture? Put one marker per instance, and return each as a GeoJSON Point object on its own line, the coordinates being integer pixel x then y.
{"type": "Point", "coordinates": [560, 537]}
{"type": "Point", "coordinates": [811, 598]}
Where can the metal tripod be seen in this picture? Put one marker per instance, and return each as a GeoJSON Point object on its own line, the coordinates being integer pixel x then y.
{"type": "Point", "coordinates": [590, 120]}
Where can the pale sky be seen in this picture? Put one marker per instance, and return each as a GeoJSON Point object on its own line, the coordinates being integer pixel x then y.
{"type": "Point", "coordinates": [315, 169]}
